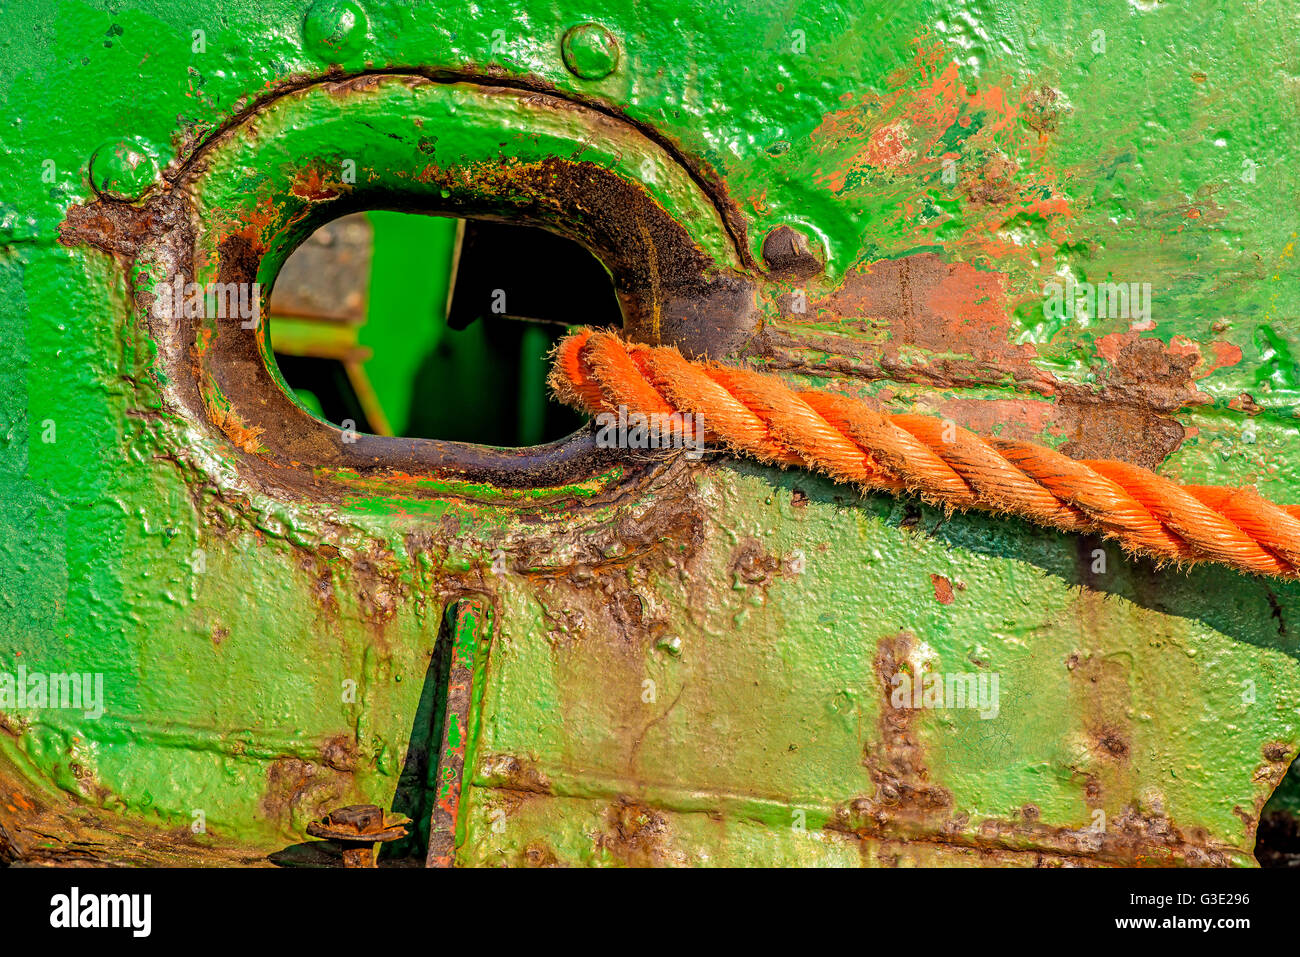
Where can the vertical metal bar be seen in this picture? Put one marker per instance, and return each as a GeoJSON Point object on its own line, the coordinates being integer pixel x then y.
{"type": "Point", "coordinates": [469, 628]}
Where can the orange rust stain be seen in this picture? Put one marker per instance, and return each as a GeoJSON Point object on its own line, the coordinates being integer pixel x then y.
{"type": "Point", "coordinates": [968, 300]}
{"type": "Point", "coordinates": [311, 184]}
{"type": "Point", "coordinates": [251, 225]}
{"type": "Point", "coordinates": [1108, 346]}
{"type": "Point", "coordinates": [248, 439]}
{"type": "Point", "coordinates": [887, 147]}
{"type": "Point", "coordinates": [946, 307]}
{"type": "Point", "coordinates": [203, 340]}
{"type": "Point", "coordinates": [1224, 354]}
{"type": "Point", "coordinates": [895, 144]}
{"type": "Point", "coordinates": [259, 218]}
{"type": "Point", "coordinates": [1182, 346]}
{"type": "Point", "coordinates": [942, 589]}
{"type": "Point", "coordinates": [1024, 419]}
{"type": "Point", "coordinates": [924, 105]}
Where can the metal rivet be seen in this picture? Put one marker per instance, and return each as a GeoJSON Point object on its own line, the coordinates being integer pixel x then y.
{"type": "Point", "coordinates": [590, 51]}
{"type": "Point", "coordinates": [789, 254]}
{"type": "Point", "coordinates": [124, 169]}
{"type": "Point", "coordinates": [335, 27]}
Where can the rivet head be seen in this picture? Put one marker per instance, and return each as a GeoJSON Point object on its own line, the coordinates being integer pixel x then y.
{"type": "Point", "coordinates": [124, 168]}
{"type": "Point", "coordinates": [590, 51]}
{"type": "Point", "coordinates": [789, 254]}
{"type": "Point", "coordinates": [335, 27]}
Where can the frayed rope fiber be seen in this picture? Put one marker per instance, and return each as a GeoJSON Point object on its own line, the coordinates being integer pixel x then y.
{"type": "Point", "coordinates": [756, 414]}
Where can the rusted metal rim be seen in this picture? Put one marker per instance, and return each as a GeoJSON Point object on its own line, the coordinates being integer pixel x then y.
{"type": "Point", "coordinates": [705, 177]}
{"type": "Point", "coordinates": [671, 290]}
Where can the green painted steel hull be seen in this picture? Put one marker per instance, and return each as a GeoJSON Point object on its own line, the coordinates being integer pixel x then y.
{"type": "Point", "coordinates": [688, 663]}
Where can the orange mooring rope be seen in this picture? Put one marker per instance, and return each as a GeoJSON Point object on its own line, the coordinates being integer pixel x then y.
{"type": "Point", "coordinates": [757, 415]}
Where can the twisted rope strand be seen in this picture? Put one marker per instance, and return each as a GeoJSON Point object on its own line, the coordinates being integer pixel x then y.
{"type": "Point", "coordinates": [757, 415]}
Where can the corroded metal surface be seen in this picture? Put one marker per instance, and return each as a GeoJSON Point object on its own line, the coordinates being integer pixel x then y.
{"type": "Point", "coordinates": [691, 662]}
{"type": "Point", "coordinates": [357, 828]}
{"type": "Point", "coordinates": [670, 290]}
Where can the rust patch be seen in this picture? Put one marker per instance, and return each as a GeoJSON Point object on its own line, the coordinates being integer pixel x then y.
{"type": "Point", "coordinates": [1277, 752]}
{"type": "Point", "coordinates": [752, 564]}
{"type": "Point", "coordinates": [512, 773]}
{"type": "Point", "coordinates": [948, 308]}
{"type": "Point", "coordinates": [1091, 788]}
{"type": "Point", "coordinates": [958, 316]}
{"type": "Point", "coordinates": [1130, 838]}
{"type": "Point", "coordinates": [1137, 361]}
{"type": "Point", "coordinates": [1245, 403]}
{"type": "Point", "coordinates": [1268, 775]}
{"type": "Point", "coordinates": [299, 790]}
{"type": "Point", "coordinates": [514, 781]}
{"type": "Point", "coordinates": [121, 228]}
{"type": "Point", "coordinates": [895, 760]}
{"type": "Point", "coordinates": [1109, 741]}
{"type": "Point", "coordinates": [908, 809]}
{"type": "Point", "coordinates": [1128, 433]}
{"type": "Point", "coordinates": [539, 854]}
{"type": "Point", "coordinates": [637, 835]}
{"type": "Point", "coordinates": [888, 147]}
{"type": "Point", "coordinates": [340, 753]}
{"type": "Point", "coordinates": [994, 182]}
{"type": "Point", "coordinates": [70, 834]}
{"type": "Point", "coordinates": [931, 127]}
{"type": "Point", "coordinates": [228, 421]}
{"type": "Point", "coordinates": [596, 579]}
{"type": "Point", "coordinates": [320, 581]}
{"type": "Point", "coordinates": [315, 185]}
{"type": "Point", "coordinates": [1041, 110]}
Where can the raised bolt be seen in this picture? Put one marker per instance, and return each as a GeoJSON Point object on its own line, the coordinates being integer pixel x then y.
{"type": "Point", "coordinates": [590, 51]}
{"type": "Point", "coordinates": [124, 169]}
{"type": "Point", "coordinates": [357, 828]}
{"type": "Point", "coordinates": [789, 254]}
{"type": "Point", "coordinates": [334, 27]}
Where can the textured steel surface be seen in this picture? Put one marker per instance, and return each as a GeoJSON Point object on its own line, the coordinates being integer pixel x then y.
{"type": "Point", "coordinates": [690, 662]}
